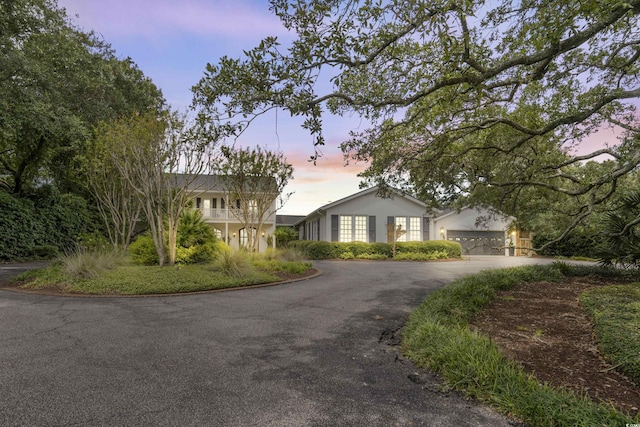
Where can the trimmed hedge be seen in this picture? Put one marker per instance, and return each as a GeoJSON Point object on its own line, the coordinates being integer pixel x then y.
{"type": "Point", "coordinates": [431, 249]}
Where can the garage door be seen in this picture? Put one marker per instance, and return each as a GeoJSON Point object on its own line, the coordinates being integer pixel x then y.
{"type": "Point", "coordinates": [478, 242]}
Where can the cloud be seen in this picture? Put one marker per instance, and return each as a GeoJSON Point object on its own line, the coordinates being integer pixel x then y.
{"type": "Point", "coordinates": [168, 18]}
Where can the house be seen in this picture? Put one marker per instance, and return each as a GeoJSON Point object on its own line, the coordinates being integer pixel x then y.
{"type": "Point", "coordinates": [223, 214]}
{"type": "Point", "coordinates": [366, 217]}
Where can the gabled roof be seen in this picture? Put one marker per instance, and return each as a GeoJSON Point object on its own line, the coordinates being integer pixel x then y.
{"type": "Point", "coordinates": [288, 220]}
{"type": "Point", "coordinates": [322, 209]}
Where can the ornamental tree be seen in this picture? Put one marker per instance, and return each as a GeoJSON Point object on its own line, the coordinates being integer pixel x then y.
{"type": "Point", "coordinates": [255, 178]}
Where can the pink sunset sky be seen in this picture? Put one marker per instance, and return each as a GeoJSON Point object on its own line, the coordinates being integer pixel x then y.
{"type": "Point", "coordinates": [172, 41]}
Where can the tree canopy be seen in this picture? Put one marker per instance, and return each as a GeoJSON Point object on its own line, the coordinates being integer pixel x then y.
{"type": "Point", "coordinates": [469, 102]}
{"type": "Point", "coordinates": [56, 83]}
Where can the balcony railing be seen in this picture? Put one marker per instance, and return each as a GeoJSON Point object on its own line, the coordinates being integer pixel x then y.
{"type": "Point", "coordinates": [227, 214]}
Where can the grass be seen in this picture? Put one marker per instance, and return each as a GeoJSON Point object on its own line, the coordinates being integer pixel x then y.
{"type": "Point", "coordinates": [437, 336]}
{"type": "Point", "coordinates": [78, 274]}
{"type": "Point", "coordinates": [615, 312]}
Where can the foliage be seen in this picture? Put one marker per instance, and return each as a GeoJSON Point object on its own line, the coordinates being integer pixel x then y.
{"type": "Point", "coordinates": [497, 98]}
{"type": "Point", "coordinates": [580, 242]}
{"type": "Point", "coordinates": [192, 230]}
{"type": "Point", "coordinates": [621, 233]}
{"type": "Point", "coordinates": [56, 83]}
{"type": "Point", "coordinates": [615, 311]}
{"type": "Point", "coordinates": [255, 178]}
{"type": "Point", "coordinates": [93, 242]}
{"type": "Point", "coordinates": [346, 255]}
{"type": "Point", "coordinates": [437, 336]}
{"type": "Point", "coordinates": [160, 156]}
{"type": "Point", "coordinates": [427, 250]}
{"type": "Point", "coordinates": [234, 263]}
{"type": "Point", "coordinates": [451, 249]}
{"type": "Point", "coordinates": [91, 264]}
{"type": "Point", "coordinates": [143, 250]}
{"type": "Point", "coordinates": [421, 256]}
{"type": "Point", "coordinates": [143, 280]}
{"type": "Point", "coordinates": [284, 235]}
{"type": "Point", "coordinates": [291, 254]}
{"type": "Point", "coordinates": [43, 228]}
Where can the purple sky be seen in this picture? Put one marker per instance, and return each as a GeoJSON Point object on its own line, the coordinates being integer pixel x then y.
{"type": "Point", "coordinates": [172, 41]}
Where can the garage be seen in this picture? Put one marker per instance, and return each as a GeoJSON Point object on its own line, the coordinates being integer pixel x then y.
{"type": "Point", "coordinates": [475, 242]}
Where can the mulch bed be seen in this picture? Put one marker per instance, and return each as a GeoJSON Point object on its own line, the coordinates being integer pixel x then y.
{"type": "Point", "coordinates": [543, 327]}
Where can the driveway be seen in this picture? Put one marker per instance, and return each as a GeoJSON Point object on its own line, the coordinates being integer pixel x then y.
{"type": "Point", "coordinates": [311, 353]}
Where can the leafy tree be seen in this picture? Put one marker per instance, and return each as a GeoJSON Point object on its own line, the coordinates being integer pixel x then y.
{"type": "Point", "coordinates": [255, 178]}
{"type": "Point", "coordinates": [159, 158]}
{"type": "Point", "coordinates": [621, 233]}
{"type": "Point", "coordinates": [284, 235]}
{"type": "Point", "coordinates": [56, 83]}
{"type": "Point", "coordinates": [469, 102]}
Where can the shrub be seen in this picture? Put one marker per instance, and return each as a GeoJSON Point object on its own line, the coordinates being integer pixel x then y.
{"type": "Point", "coordinates": [143, 250]}
{"type": "Point", "coordinates": [86, 264]}
{"type": "Point", "coordinates": [347, 255]}
{"type": "Point", "coordinates": [197, 253]}
{"type": "Point", "coordinates": [583, 243]}
{"type": "Point", "coordinates": [284, 235]}
{"type": "Point", "coordinates": [93, 242]}
{"type": "Point", "coordinates": [234, 263]}
{"type": "Point", "coordinates": [314, 249]}
{"type": "Point", "coordinates": [452, 249]}
{"type": "Point", "coordinates": [192, 230]}
{"type": "Point", "coordinates": [382, 249]}
{"type": "Point", "coordinates": [421, 256]}
{"type": "Point", "coordinates": [372, 256]}
{"type": "Point", "coordinates": [291, 254]}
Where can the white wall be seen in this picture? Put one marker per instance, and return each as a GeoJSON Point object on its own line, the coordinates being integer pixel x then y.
{"type": "Point", "coordinates": [467, 219]}
{"type": "Point", "coordinates": [369, 204]}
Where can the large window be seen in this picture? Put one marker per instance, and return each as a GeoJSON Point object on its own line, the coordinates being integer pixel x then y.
{"type": "Point", "coordinates": [415, 232]}
{"type": "Point", "coordinates": [244, 238]}
{"type": "Point", "coordinates": [412, 229]}
{"type": "Point", "coordinates": [353, 228]}
{"type": "Point", "coordinates": [360, 229]}
{"type": "Point", "coordinates": [401, 229]}
{"type": "Point", "coordinates": [346, 232]}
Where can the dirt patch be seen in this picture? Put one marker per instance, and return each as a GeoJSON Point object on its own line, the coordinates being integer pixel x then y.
{"type": "Point", "coordinates": [543, 327]}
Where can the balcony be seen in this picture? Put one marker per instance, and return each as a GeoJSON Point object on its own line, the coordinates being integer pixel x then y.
{"type": "Point", "coordinates": [227, 215]}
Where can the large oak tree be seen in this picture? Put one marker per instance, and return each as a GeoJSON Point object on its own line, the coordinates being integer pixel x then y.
{"type": "Point", "coordinates": [469, 102]}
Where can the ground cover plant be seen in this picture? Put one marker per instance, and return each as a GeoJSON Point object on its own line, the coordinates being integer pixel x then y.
{"type": "Point", "coordinates": [84, 273]}
{"type": "Point", "coordinates": [615, 311]}
{"type": "Point", "coordinates": [438, 336]}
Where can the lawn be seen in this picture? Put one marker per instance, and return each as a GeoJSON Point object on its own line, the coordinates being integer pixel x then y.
{"type": "Point", "coordinates": [99, 275]}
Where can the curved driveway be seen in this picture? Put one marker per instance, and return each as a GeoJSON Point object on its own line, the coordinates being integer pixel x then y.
{"type": "Point", "coordinates": [301, 354]}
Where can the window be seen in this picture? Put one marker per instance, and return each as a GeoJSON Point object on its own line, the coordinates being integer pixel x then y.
{"type": "Point", "coordinates": [415, 233]}
{"type": "Point", "coordinates": [244, 237]}
{"type": "Point", "coordinates": [401, 224]}
{"type": "Point", "coordinates": [198, 202]}
{"type": "Point", "coordinates": [412, 229]}
{"type": "Point", "coordinates": [353, 228]}
{"type": "Point", "coordinates": [360, 229]}
{"type": "Point", "coordinates": [214, 203]}
{"type": "Point", "coordinates": [346, 228]}
{"type": "Point", "coordinates": [222, 203]}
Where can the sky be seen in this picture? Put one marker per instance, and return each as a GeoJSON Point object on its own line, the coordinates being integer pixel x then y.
{"type": "Point", "coordinates": [172, 42]}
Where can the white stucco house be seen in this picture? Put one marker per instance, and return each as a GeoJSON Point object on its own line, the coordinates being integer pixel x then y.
{"type": "Point", "coordinates": [366, 217]}
{"type": "Point", "coordinates": [222, 213]}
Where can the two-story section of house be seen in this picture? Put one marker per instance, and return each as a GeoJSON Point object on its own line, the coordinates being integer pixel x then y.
{"type": "Point", "coordinates": [225, 215]}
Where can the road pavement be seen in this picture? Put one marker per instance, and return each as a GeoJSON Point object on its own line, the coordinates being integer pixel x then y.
{"type": "Point", "coordinates": [312, 353]}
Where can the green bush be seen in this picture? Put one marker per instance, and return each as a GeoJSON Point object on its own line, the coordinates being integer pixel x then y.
{"type": "Point", "coordinates": [431, 249]}
{"type": "Point", "coordinates": [579, 243]}
{"type": "Point", "coordinates": [143, 250]}
{"type": "Point", "coordinates": [421, 256]}
{"type": "Point", "coordinates": [234, 263]}
{"type": "Point", "coordinates": [284, 235]}
{"type": "Point", "coordinates": [86, 264]}
{"type": "Point", "coordinates": [372, 256]}
{"type": "Point", "coordinates": [193, 231]}
{"type": "Point", "coordinates": [452, 249]}
{"type": "Point", "coordinates": [382, 249]}
{"type": "Point", "coordinates": [347, 255]}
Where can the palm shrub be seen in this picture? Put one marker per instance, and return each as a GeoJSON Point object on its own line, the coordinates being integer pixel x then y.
{"type": "Point", "coordinates": [621, 233]}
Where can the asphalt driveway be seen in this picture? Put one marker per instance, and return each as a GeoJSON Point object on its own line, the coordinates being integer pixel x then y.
{"type": "Point", "coordinates": [311, 353]}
